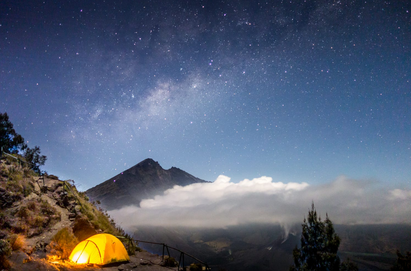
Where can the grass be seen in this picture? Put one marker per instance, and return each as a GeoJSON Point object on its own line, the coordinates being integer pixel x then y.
{"type": "Point", "coordinates": [63, 243]}
{"type": "Point", "coordinates": [97, 218]}
{"type": "Point", "coordinates": [36, 215]}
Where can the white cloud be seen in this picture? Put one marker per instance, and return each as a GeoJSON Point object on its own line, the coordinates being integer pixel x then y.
{"type": "Point", "coordinates": [398, 194]}
{"type": "Point", "coordinates": [223, 203]}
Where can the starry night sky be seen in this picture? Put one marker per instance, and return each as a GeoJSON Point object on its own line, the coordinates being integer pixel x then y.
{"type": "Point", "coordinates": [301, 91]}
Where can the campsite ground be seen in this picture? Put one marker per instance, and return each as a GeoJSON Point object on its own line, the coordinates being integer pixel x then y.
{"type": "Point", "coordinates": [139, 261]}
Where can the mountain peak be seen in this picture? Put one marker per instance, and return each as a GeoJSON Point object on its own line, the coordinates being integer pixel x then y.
{"type": "Point", "coordinates": [148, 163]}
{"type": "Point", "coordinates": [142, 181]}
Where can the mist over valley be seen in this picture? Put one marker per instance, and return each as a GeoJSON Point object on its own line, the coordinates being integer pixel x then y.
{"type": "Point", "coordinates": [254, 224]}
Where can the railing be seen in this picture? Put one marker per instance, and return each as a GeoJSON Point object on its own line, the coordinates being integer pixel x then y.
{"type": "Point", "coordinates": [182, 254]}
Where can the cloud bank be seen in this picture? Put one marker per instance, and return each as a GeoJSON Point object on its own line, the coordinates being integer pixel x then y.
{"type": "Point", "coordinates": [224, 203]}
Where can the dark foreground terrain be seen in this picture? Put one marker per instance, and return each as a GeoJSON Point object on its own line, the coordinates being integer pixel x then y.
{"type": "Point", "coordinates": [264, 247]}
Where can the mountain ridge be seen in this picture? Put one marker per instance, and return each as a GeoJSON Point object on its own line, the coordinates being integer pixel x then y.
{"type": "Point", "coordinates": [141, 181]}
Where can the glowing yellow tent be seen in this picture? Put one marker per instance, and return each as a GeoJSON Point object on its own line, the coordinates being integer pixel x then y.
{"type": "Point", "coordinates": [99, 249]}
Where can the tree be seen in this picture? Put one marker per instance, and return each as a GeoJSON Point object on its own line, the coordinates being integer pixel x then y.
{"type": "Point", "coordinates": [348, 265]}
{"type": "Point", "coordinates": [319, 246]}
{"type": "Point", "coordinates": [10, 141]}
{"type": "Point", "coordinates": [33, 158]}
{"type": "Point", "coordinates": [403, 262]}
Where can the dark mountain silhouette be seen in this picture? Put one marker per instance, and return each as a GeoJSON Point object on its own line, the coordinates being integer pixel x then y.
{"type": "Point", "coordinates": [142, 181]}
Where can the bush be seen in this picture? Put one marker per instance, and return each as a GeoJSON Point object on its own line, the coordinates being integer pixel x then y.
{"type": "Point", "coordinates": [169, 262]}
{"type": "Point", "coordinates": [4, 221]}
{"type": "Point", "coordinates": [5, 251]}
{"type": "Point", "coordinates": [33, 205]}
{"type": "Point", "coordinates": [17, 242]}
{"type": "Point", "coordinates": [28, 188]}
{"type": "Point", "coordinates": [196, 267]}
{"type": "Point", "coordinates": [403, 262]}
{"type": "Point", "coordinates": [63, 243]}
{"type": "Point", "coordinates": [23, 212]}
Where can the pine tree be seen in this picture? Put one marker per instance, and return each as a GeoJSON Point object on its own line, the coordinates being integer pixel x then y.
{"type": "Point", "coordinates": [319, 245]}
{"type": "Point", "coordinates": [403, 262]}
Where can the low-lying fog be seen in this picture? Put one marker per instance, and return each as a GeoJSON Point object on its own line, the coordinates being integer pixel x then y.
{"type": "Point", "coordinates": [224, 203]}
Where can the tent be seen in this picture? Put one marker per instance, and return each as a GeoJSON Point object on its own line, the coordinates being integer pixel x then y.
{"type": "Point", "coordinates": [99, 249]}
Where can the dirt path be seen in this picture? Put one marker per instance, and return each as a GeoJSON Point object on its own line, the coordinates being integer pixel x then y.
{"type": "Point", "coordinates": [64, 219]}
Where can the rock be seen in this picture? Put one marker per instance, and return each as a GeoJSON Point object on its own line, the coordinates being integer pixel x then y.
{"type": "Point", "coordinates": [20, 257]}
{"type": "Point", "coordinates": [34, 232]}
{"type": "Point", "coordinates": [144, 262]}
{"type": "Point", "coordinates": [58, 190]}
{"type": "Point", "coordinates": [77, 209]}
{"type": "Point", "coordinates": [41, 246]}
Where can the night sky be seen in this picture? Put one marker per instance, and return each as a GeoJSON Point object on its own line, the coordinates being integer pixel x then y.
{"type": "Point", "coordinates": [301, 91]}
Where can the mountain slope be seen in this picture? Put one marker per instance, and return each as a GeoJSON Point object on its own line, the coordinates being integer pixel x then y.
{"type": "Point", "coordinates": [142, 181]}
{"type": "Point", "coordinates": [42, 218]}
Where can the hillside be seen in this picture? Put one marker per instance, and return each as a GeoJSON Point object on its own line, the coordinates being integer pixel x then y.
{"type": "Point", "coordinates": [43, 218]}
{"type": "Point", "coordinates": [142, 181]}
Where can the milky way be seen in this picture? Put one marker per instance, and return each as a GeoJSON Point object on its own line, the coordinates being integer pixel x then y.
{"type": "Point", "coordinates": [302, 91]}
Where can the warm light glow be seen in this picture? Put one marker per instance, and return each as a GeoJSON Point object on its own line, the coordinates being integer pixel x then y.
{"type": "Point", "coordinates": [80, 257]}
{"type": "Point", "coordinates": [53, 259]}
{"type": "Point", "coordinates": [99, 249]}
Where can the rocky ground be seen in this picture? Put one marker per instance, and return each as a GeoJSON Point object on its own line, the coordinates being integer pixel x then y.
{"type": "Point", "coordinates": [140, 261]}
{"type": "Point", "coordinates": [23, 197]}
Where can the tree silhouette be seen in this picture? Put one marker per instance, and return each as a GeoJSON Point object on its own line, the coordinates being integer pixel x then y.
{"type": "Point", "coordinates": [403, 262]}
{"type": "Point", "coordinates": [319, 246]}
{"type": "Point", "coordinates": [10, 141]}
{"type": "Point", "coordinates": [34, 159]}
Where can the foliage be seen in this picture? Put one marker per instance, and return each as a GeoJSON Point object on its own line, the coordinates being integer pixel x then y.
{"type": "Point", "coordinates": [319, 245]}
{"type": "Point", "coordinates": [5, 248]}
{"type": "Point", "coordinates": [36, 214]}
{"type": "Point", "coordinates": [196, 267]}
{"type": "Point", "coordinates": [34, 159]}
{"type": "Point", "coordinates": [348, 265]}
{"type": "Point", "coordinates": [5, 251]}
{"type": "Point", "coordinates": [10, 141]}
{"type": "Point", "coordinates": [403, 262]}
{"type": "Point", "coordinates": [4, 221]}
{"type": "Point", "coordinates": [169, 262]}
{"type": "Point", "coordinates": [98, 219]}
{"type": "Point", "coordinates": [129, 244]}
{"type": "Point", "coordinates": [63, 243]}
{"type": "Point", "coordinates": [17, 242]}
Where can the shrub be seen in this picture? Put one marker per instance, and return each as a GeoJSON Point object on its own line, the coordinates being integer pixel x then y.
{"type": "Point", "coordinates": [39, 221]}
{"type": "Point", "coordinates": [169, 262]}
{"type": "Point", "coordinates": [403, 262]}
{"type": "Point", "coordinates": [196, 267]}
{"type": "Point", "coordinates": [23, 212]}
{"type": "Point", "coordinates": [129, 245]}
{"type": "Point", "coordinates": [47, 209]}
{"type": "Point", "coordinates": [5, 251]}
{"type": "Point", "coordinates": [3, 221]}
{"type": "Point", "coordinates": [28, 188]}
{"type": "Point", "coordinates": [63, 243]}
{"type": "Point", "coordinates": [13, 186]}
{"type": "Point", "coordinates": [33, 205]}
{"type": "Point", "coordinates": [17, 242]}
